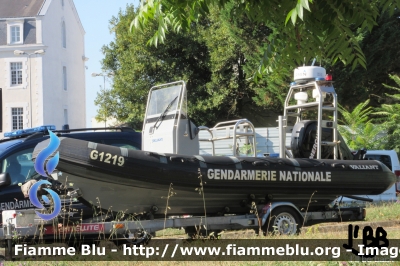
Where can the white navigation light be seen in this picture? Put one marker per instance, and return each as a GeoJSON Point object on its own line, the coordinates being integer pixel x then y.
{"type": "Point", "coordinates": [301, 97]}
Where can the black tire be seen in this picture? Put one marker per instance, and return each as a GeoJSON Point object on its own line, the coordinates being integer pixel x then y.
{"type": "Point", "coordinates": [195, 233]}
{"type": "Point", "coordinates": [283, 221]}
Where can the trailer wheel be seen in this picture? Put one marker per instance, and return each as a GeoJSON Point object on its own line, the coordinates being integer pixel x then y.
{"type": "Point", "coordinates": [284, 221]}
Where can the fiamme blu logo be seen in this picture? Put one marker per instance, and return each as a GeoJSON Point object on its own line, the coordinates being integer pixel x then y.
{"type": "Point", "coordinates": [51, 164]}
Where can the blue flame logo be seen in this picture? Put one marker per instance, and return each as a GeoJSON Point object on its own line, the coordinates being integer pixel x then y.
{"type": "Point", "coordinates": [50, 166]}
{"type": "Point", "coordinates": [35, 201]}
{"type": "Point", "coordinates": [45, 153]}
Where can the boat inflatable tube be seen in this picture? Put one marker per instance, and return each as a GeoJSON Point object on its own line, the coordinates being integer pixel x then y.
{"type": "Point", "coordinates": [137, 181]}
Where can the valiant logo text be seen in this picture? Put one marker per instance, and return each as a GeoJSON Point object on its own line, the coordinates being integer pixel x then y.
{"type": "Point", "coordinates": [50, 166]}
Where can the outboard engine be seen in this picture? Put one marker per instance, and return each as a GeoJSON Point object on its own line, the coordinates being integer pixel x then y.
{"type": "Point", "coordinates": [304, 142]}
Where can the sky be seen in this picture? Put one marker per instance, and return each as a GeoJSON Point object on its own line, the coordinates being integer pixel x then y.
{"type": "Point", "coordinates": [95, 16]}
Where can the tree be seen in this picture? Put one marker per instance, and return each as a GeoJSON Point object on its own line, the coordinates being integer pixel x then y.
{"type": "Point", "coordinates": [233, 44]}
{"type": "Point", "coordinates": [138, 67]}
{"type": "Point", "coordinates": [381, 46]}
{"type": "Point", "coordinates": [105, 101]}
{"type": "Point", "coordinates": [217, 59]}
{"type": "Point", "coordinates": [325, 28]}
{"type": "Point", "coordinates": [390, 116]}
{"type": "Point", "coordinates": [358, 129]}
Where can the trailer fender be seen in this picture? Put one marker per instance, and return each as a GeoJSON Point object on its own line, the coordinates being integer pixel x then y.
{"type": "Point", "coordinates": [268, 208]}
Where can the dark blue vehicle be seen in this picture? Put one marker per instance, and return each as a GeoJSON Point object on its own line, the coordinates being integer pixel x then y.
{"type": "Point", "coordinates": [17, 167]}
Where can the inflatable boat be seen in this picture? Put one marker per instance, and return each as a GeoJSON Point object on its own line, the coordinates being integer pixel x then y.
{"type": "Point", "coordinates": [141, 182]}
{"type": "Point", "coordinates": [169, 175]}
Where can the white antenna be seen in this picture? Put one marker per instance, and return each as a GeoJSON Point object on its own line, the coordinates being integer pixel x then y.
{"type": "Point", "coordinates": [313, 62]}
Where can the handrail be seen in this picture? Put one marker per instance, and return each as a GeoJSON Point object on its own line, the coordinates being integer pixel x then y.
{"type": "Point", "coordinates": [231, 125]}
{"type": "Point", "coordinates": [212, 137]}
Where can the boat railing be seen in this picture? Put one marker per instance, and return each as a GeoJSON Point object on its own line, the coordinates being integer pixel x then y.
{"type": "Point", "coordinates": [314, 98]}
{"type": "Point", "coordinates": [234, 129]}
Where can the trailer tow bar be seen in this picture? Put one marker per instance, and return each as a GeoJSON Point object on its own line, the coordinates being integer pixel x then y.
{"type": "Point", "coordinates": [142, 238]}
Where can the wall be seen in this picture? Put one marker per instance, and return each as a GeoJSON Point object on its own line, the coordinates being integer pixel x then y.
{"type": "Point", "coordinates": [55, 98]}
{"type": "Point", "coordinates": [19, 96]}
{"type": "Point", "coordinates": [46, 75]}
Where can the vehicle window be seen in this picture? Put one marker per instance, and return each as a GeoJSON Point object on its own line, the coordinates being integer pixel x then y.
{"type": "Point", "coordinates": [20, 166]}
{"type": "Point", "coordinates": [385, 159]}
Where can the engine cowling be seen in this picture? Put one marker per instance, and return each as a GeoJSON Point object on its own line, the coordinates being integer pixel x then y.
{"type": "Point", "coordinates": [304, 142]}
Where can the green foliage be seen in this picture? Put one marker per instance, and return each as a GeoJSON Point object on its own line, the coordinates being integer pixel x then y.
{"type": "Point", "coordinates": [326, 28]}
{"type": "Point", "coordinates": [217, 58]}
{"type": "Point", "coordinates": [234, 44]}
{"type": "Point", "coordinates": [358, 130]}
{"type": "Point", "coordinates": [396, 79]}
{"type": "Point", "coordinates": [105, 101]}
{"type": "Point", "coordinates": [381, 47]}
{"type": "Point", "coordinates": [220, 59]}
{"type": "Point", "coordinates": [390, 116]}
{"type": "Point", "coordinates": [138, 67]}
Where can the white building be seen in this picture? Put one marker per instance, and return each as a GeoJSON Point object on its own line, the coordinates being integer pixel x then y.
{"type": "Point", "coordinates": [42, 65]}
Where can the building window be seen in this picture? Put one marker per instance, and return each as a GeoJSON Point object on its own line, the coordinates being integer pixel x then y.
{"type": "Point", "coordinates": [15, 34]}
{"type": "Point", "coordinates": [65, 116]}
{"type": "Point", "coordinates": [16, 73]}
{"type": "Point", "coordinates": [64, 35]}
{"type": "Point", "coordinates": [15, 30]}
{"type": "Point", "coordinates": [65, 78]}
{"type": "Point", "coordinates": [17, 118]}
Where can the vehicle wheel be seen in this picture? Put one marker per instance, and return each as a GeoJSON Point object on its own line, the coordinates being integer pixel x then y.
{"type": "Point", "coordinates": [192, 232]}
{"type": "Point", "coordinates": [284, 221]}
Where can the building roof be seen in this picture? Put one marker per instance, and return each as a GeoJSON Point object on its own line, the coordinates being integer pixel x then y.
{"type": "Point", "coordinates": [20, 8]}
